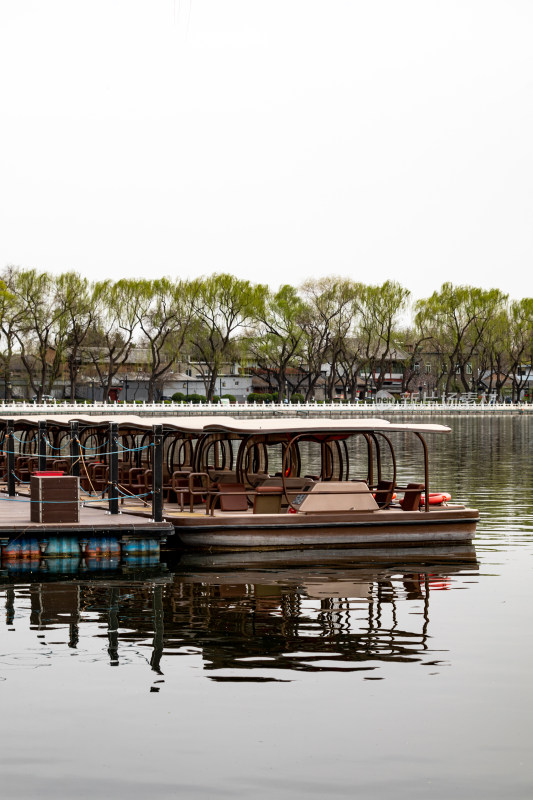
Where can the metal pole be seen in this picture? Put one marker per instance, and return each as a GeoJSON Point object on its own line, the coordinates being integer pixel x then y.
{"type": "Point", "coordinates": [159, 630]}
{"type": "Point", "coordinates": [426, 471]}
{"type": "Point", "coordinates": [370, 457]}
{"type": "Point", "coordinates": [41, 445]}
{"type": "Point", "coordinates": [74, 449]}
{"type": "Point", "coordinates": [113, 468]}
{"type": "Point", "coordinates": [157, 474]}
{"type": "Point", "coordinates": [10, 450]}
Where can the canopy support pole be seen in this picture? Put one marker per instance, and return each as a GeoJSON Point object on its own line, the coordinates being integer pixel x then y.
{"type": "Point", "coordinates": [41, 444]}
{"type": "Point", "coordinates": [426, 471]}
{"type": "Point", "coordinates": [74, 449]}
{"type": "Point", "coordinates": [113, 468]}
{"type": "Point", "coordinates": [10, 450]}
{"type": "Point", "coordinates": [157, 474]}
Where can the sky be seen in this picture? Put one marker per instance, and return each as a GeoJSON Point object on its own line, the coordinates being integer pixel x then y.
{"type": "Point", "coordinates": [278, 141]}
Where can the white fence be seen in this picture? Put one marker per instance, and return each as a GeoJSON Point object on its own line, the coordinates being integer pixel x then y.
{"type": "Point", "coordinates": [458, 404]}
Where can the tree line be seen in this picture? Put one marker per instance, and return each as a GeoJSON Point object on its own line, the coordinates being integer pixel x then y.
{"type": "Point", "coordinates": [64, 324]}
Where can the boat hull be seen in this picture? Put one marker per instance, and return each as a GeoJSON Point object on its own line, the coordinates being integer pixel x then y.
{"type": "Point", "coordinates": [275, 532]}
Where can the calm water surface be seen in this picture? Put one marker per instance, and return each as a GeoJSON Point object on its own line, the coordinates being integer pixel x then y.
{"type": "Point", "coordinates": [335, 674]}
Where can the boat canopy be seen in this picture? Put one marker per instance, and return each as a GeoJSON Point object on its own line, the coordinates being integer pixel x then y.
{"type": "Point", "coordinates": [216, 424]}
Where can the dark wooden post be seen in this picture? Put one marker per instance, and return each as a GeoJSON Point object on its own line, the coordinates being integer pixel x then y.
{"type": "Point", "coordinates": [113, 468]}
{"type": "Point", "coordinates": [10, 451]}
{"type": "Point", "coordinates": [41, 445]}
{"type": "Point", "coordinates": [157, 474]}
{"type": "Point", "coordinates": [74, 449]}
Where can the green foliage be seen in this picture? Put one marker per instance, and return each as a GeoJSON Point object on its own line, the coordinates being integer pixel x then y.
{"type": "Point", "coordinates": [259, 397]}
{"type": "Point", "coordinates": [65, 327]}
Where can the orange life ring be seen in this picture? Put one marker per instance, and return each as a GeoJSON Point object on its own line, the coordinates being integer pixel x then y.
{"type": "Point", "coordinates": [437, 498]}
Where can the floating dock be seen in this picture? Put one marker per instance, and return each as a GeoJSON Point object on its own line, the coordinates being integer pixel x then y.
{"type": "Point", "coordinates": [96, 533]}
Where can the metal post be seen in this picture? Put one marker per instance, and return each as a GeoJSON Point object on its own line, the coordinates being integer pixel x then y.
{"type": "Point", "coordinates": [112, 627]}
{"type": "Point", "coordinates": [10, 450]}
{"type": "Point", "coordinates": [426, 471]}
{"type": "Point", "coordinates": [370, 461]}
{"type": "Point", "coordinates": [113, 468]}
{"type": "Point", "coordinates": [159, 630]}
{"type": "Point", "coordinates": [74, 449]}
{"type": "Point", "coordinates": [157, 474]}
{"type": "Point", "coordinates": [41, 445]}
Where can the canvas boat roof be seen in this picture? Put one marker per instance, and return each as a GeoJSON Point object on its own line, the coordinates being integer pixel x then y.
{"type": "Point", "coordinates": [216, 424]}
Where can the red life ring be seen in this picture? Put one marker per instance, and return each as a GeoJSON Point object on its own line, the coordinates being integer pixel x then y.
{"type": "Point", "coordinates": [437, 498]}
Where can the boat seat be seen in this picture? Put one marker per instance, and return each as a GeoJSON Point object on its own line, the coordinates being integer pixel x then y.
{"type": "Point", "coordinates": [234, 497]}
{"type": "Point", "coordinates": [295, 487]}
{"type": "Point", "coordinates": [222, 475]}
{"type": "Point", "coordinates": [383, 493]}
{"type": "Point", "coordinates": [268, 500]}
{"type": "Point", "coordinates": [412, 496]}
{"type": "Point", "coordinates": [180, 486]}
{"type": "Point", "coordinates": [136, 484]}
{"type": "Point", "coordinates": [23, 468]}
{"type": "Point", "coordinates": [99, 475]}
{"type": "Point", "coordinates": [148, 478]}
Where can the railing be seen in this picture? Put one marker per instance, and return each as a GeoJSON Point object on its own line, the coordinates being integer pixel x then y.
{"type": "Point", "coordinates": [452, 404]}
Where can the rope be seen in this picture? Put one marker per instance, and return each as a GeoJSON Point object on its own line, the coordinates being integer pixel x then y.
{"type": "Point", "coordinates": [86, 470]}
{"type": "Point", "coordinates": [26, 483]}
{"type": "Point", "coordinates": [67, 444]}
{"type": "Point", "coordinates": [27, 500]}
{"type": "Point", "coordinates": [126, 493]}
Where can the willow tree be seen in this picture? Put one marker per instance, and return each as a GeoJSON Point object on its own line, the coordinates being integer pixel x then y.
{"type": "Point", "coordinates": [164, 315]}
{"type": "Point", "coordinates": [111, 338]}
{"type": "Point", "coordinates": [12, 319]}
{"type": "Point", "coordinates": [223, 306]}
{"type": "Point", "coordinates": [42, 330]}
{"type": "Point", "coordinates": [326, 324]}
{"type": "Point", "coordinates": [381, 308]}
{"type": "Point", "coordinates": [521, 344]}
{"type": "Point", "coordinates": [75, 298]}
{"type": "Point", "coordinates": [275, 343]}
{"type": "Point", "coordinates": [456, 319]}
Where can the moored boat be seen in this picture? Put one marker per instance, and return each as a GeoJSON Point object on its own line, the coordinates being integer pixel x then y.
{"type": "Point", "coordinates": [263, 484]}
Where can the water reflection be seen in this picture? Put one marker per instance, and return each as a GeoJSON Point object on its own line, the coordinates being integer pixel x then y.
{"type": "Point", "coordinates": [245, 617]}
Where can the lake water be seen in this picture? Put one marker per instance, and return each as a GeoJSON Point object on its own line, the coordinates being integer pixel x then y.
{"type": "Point", "coordinates": [341, 675]}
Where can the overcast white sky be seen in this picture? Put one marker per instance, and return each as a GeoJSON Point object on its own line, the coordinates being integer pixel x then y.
{"type": "Point", "coordinates": [276, 140]}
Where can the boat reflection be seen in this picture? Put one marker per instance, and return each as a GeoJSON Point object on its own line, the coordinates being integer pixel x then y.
{"type": "Point", "coordinates": [247, 617]}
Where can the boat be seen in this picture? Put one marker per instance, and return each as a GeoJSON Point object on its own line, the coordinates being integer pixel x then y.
{"type": "Point", "coordinates": [261, 493]}
{"type": "Point", "coordinates": [261, 484]}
